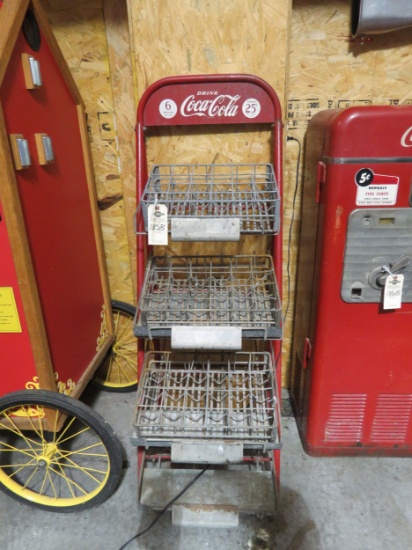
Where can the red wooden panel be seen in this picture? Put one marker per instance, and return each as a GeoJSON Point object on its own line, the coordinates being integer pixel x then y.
{"type": "Point", "coordinates": [57, 212]}
{"type": "Point", "coordinates": [16, 358]}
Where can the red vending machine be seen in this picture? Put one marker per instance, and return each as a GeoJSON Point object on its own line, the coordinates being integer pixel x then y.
{"type": "Point", "coordinates": [351, 384]}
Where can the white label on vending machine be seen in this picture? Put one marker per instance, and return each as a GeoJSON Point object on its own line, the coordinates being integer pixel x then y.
{"type": "Point", "coordinates": [375, 189]}
{"type": "Point", "coordinates": [392, 294]}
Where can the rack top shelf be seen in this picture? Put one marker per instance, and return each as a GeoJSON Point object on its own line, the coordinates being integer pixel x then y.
{"type": "Point", "coordinates": [247, 192]}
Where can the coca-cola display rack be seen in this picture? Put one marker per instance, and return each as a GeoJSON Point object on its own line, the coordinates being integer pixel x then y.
{"type": "Point", "coordinates": [208, 389]}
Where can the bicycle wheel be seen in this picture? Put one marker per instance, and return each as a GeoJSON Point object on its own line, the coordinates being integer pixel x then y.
{"type": "Point", "coordinates": [118, 373]}
{"type": "Point", "coordinates": [68, 469]}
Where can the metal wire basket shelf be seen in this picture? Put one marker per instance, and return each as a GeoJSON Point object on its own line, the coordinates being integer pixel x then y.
{"type": "Point", "coordinates": [247, 193]}
{"type": "Point", "coordinates": [209, 397]}
{"type": "Point", "coordinates": [210, 291]}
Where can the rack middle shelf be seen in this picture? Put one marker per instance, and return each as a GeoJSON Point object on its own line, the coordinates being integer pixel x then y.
{"type": "Point", "coordinates": [209, 295]}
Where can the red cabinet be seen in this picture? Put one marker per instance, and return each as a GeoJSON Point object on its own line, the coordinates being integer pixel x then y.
{"type": "Point", "coordinates": [351, 382]}
{"type": "Point", "coordinates": [55, 318]}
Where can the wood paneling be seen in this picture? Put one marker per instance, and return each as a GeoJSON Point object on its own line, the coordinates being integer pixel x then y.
{"type": "Point", "coordinates": [85, 38]}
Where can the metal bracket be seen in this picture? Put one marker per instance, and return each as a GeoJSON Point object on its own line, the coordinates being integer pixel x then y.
{"type": "Point", "coordinates": [31, 70]}
{"type": "Point", "coordinates": [217, 338]}
{"type": "Point", "coordinates": [44, 149]}
{"type": "Point", "coordinates": [210, 452]}
{"type": "Point", "coordinates": [202, 229]}
{"type": "Point", "coordinates": [20, 151]}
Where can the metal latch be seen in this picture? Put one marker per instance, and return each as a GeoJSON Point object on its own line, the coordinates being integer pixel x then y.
{"type": "Point", "coordinates": [31, 71]}
{"type": "Point", "coordinates": [321, 178]}
{"type": "Point", "coordinates": [378, 276]}
{"type": "Point", "coordinates": [20, 151]}
{"type": "Point", "coordinates": [44, 149]}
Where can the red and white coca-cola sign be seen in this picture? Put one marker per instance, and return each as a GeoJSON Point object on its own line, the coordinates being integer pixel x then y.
{"type": "Point", "coordinates": [211, 106]}
{"type": "Point", "coordinates": [220, 105]}
{"type": "Point", "coordinates": [217, 103]}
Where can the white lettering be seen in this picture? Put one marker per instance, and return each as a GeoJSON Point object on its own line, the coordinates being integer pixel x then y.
{"type": "Point", "coordinates": [219, 106]}
{"type": "Point", "coordinates": [406, 140]}
{"type": "Point", "coordinates": [207, 93]}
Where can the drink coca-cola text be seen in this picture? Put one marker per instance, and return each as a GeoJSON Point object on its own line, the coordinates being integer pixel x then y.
{"type": "Point", "coordinates": [219, 106]}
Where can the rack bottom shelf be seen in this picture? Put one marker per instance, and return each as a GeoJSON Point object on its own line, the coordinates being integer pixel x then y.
{"type": "Point", "coordinates": [207, 398]}
{"type": "Point", "coordinates": [241, 491]}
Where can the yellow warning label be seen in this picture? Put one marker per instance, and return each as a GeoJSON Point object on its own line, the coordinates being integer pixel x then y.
{"type": "Point", "coordinates": [9, 317]}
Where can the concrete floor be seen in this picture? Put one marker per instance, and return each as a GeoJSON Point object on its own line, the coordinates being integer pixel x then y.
{"type": "Point", "coordinates": [326, 504]}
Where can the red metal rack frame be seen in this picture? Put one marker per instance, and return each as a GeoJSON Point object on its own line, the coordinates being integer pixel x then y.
{"type": "Point", "coordinates": [185, 94]}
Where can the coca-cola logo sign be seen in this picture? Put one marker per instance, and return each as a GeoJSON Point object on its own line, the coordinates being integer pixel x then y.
{"type": "Point", "coordinates": [211, 105]}
{"type": "Point", "coordinates": [220, 106]}
{"type": "Point", "coordinates": [406, 140]}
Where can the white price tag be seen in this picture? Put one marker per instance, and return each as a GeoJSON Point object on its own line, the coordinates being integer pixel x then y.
{"type": "Point", "coordinates": [392, 297]}
{"type": "Point", "coordinates": [157, 218]}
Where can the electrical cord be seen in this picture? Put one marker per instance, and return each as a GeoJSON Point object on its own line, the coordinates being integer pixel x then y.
{"type": "Point", "coordinates": [291, 138]}
{"type": "Point", "coordinates": [182, 492]}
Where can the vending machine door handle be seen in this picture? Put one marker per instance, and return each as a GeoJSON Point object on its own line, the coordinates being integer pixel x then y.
{"type": "Point", "coordinates": [320, 180]}
{"type": "Point", "coordinates": [397, 266]}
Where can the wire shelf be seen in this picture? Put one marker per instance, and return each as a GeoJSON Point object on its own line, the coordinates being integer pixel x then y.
{"type": "Point", "coordinates": [216, 291]}
{"type": "Point", "coordinates": [207, 396]}
{"type": "Point", "coordinates": [206, 191]}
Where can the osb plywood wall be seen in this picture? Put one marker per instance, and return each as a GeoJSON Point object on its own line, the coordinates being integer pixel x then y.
{"type": "Point", "coordinates": [214, 37]}
{"type": "Point", "coordinates": [116, 49]}
{"type": "Point", "coordinates": [219, 36]}
{"type": "Point", "coordinates": [94, 38]}
{"type": "Point", "coordinates": [327, 70]}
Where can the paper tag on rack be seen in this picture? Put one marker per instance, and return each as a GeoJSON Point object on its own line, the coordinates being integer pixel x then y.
{"type": "Point", "coordinates": [392, 294]}
{"type": "Point", "coordinates": [157, 217]}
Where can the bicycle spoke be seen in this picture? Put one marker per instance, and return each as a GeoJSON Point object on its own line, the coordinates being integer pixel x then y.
{"type": "Point", "coordinates": [70, 481]}
{"type": "Point", "coordinates": [63, 475]}
{"type": "Point", "coordinates": [60, 441]}
{"type": "Point", "coordinates": [12, 449]}
{"type": "Point", "coordinates": [21, 466]}
{"type": "Point", "coordinates": [51, 464]}
{"type": "Point", "coordinates": [17, 431]}
{"type": "Point", "coordinates": [122, 370]}
{"type": "Point", "coordinates": [30, 477]}
{"type": "Point", "coordinates": [76, 467]}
